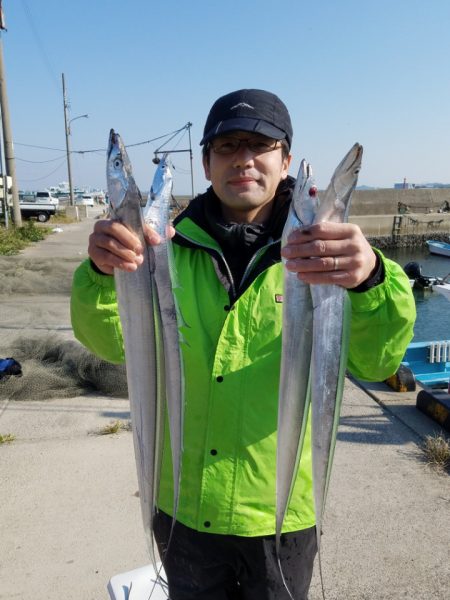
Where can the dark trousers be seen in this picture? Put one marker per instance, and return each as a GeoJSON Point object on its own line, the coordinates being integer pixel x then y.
{"type": "Point", "coordinates": [208, 566]}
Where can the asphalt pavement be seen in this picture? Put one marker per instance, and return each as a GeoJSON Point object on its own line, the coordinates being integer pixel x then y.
{"type": "Point", "coordinates": [70, 515]}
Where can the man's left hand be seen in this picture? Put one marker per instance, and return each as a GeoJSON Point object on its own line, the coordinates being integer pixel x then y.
{"type": "Point", "coordinates": [330, 253]}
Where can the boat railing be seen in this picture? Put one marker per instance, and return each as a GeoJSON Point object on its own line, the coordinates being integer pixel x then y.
{"type": "Point", "coordinates": [439, 352]}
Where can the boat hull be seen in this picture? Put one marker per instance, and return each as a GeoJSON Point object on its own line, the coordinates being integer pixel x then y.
{"type": "Point", "coordinates": [441, 248]}
{"type": "Point", "coordinates": [429, 361]}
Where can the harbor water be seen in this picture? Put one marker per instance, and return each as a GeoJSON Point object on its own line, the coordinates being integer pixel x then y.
{"type": "Point", "coordinates": [433, 310]}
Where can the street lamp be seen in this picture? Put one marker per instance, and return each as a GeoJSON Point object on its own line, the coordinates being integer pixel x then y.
{"type": "Point", "coordinates": [67, 131]}
{"type": "Point", "coordinates": [74, 119]}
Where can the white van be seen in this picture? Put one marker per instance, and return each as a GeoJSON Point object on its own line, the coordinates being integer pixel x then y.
{"type": "Point", "coordinates": [46, 196]}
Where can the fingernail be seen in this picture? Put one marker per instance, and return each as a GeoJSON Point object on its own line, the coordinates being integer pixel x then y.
{"type": "Point", "coordinates": [154, 238]}
{"type": "Point", "coordinates": [128, 266]}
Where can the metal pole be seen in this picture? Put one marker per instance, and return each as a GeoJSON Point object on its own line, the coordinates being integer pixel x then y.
{"type": "Point", "coordinates": [67, 132]}
{"type": "Point", "coordinates": [8, 144]}
{"type": "Point", "coordinates": [189, 125]}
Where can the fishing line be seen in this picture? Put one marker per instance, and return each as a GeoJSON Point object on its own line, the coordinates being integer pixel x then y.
{"type": "Point", "coordinates": [159, 580]}
{"type": "Point", "coordinates": [180, 170]}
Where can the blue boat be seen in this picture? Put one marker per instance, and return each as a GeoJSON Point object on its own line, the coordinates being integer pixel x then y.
{"type": "Point", "coordinates": [430, 362]}
{"type": "Point", "coordinates": [441, 248]}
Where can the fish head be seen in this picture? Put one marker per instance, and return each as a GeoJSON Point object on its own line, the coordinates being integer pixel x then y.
{"type": "Point", "coordinates": [156, 210]}
{"type": "Point", "coordinates": [119, 174]}
{"type": "Point", "coordinates": [303, 204]}
{"type": "Point", "coordinates": [162, 180]}
{"type": "Point", "coordinates": [304, 200]}
{"type": "Point", "coordinates": [347, 171]}
{"type": "Point", "coordinates": [336, 200]}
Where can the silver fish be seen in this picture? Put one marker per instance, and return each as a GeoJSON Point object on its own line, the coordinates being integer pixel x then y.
{"type": "Point", "coordinates": [156, 214]}
{"type": "Point", "coordinates": [331, 324]}
{"type": "Point", "coordinates": [141, 326]}
{"type": "Point", "coordinates": [314, 347]}
{"type": "Point", "coordinates": [296, 353]}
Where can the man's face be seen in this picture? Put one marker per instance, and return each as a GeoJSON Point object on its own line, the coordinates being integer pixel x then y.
{"type": "Point", "coordinates": [245, 181]}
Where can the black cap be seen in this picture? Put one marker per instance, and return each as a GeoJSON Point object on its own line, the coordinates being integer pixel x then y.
{"type": "Point", "coordinates": [249, 110]}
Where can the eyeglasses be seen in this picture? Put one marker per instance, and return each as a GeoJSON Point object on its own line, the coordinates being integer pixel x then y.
{"type": "Point", "coordinates": [230, 145]}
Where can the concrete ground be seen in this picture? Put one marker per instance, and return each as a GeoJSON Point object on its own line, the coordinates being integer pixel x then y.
{"type": "Point", "coordinates": [70, 517]}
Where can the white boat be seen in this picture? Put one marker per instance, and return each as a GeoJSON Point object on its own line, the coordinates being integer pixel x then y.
{"type": "Point", "coordinates": [443, 289]}
{"type": "Point", "coordinates": [436, 247]}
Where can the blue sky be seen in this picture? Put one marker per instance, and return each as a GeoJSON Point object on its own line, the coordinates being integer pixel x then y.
{"type": "Point", "coordinates": [373, 72]}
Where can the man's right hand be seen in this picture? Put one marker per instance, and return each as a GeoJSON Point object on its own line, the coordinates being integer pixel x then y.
{"type": "Point", "coordinates": [113, 246]}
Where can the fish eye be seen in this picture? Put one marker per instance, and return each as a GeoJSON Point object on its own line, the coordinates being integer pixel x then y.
{"type": "Point", "coordinates": [118, 162]}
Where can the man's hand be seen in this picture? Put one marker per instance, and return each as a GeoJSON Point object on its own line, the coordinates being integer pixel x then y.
{"type": "Point", "coordinates": [330, 253]}
{"type": "Point", "coordinates": [113, 246]}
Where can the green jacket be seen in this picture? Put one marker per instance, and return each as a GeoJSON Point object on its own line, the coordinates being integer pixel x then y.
{"type": "Point", "coordinates": [232, 358]}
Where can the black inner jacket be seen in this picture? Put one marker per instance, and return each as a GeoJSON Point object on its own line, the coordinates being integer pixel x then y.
{"type": "Point", "coordinates": [239, 241]}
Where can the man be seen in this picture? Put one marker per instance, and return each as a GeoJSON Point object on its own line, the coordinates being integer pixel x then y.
{"type": "Point", "coordinates": [227, 253]}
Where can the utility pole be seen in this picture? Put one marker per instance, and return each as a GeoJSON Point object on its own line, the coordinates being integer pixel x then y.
{"type": "Point", "coordinates": [4, 179]}
{"type": "Point", "coordinates": [189, 125]}
{"type": "Point", "coordinates": [66, 127]}
{"type": "Point", "coordinates": [7, 135]}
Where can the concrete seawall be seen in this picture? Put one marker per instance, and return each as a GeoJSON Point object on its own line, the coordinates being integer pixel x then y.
{"type": "Point", "coordinates": [415, 226]}
{"type": "Point", "coordinates": [407, 218]}
{"type": "Point", "coordinates": [386, 201]}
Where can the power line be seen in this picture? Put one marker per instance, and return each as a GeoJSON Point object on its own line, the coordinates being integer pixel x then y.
{"type": "Point", "coordinates": [40, 147]}
{"type": "Point", "coordinates": [48, 174]}
{"type": "Point", "coordinates": [38, 161]}
{"type": "Point", "coordinates": [172, 133]}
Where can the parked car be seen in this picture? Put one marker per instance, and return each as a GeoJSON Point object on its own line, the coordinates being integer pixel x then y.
{"type": "Point", "coordinates": [42, 211]}
{"type": "Point", "coordinates": [46, 197]}
{"type": "Point", "coordinates": [84, 200]}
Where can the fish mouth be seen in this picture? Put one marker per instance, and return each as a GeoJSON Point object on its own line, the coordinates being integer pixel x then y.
{"type": "Point", "coordinates": [358, 157]}
{"type": "Point", "coordinates": [354, 159]}
{"type": "Point", "coordinates": [113, 141]}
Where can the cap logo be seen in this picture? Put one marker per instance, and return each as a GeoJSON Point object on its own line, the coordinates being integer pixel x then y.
{"type": "Point", "coordinates": [242, 105]}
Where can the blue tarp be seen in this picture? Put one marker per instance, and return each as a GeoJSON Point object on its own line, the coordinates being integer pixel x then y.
{"type": "Point", "coordinates": [8, 367]}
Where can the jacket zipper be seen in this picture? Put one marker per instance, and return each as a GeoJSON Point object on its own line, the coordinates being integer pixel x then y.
{"type": "Point", "coordinates": [249, 267]}
{"type": "Point", "coordinates": [255, 258]}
